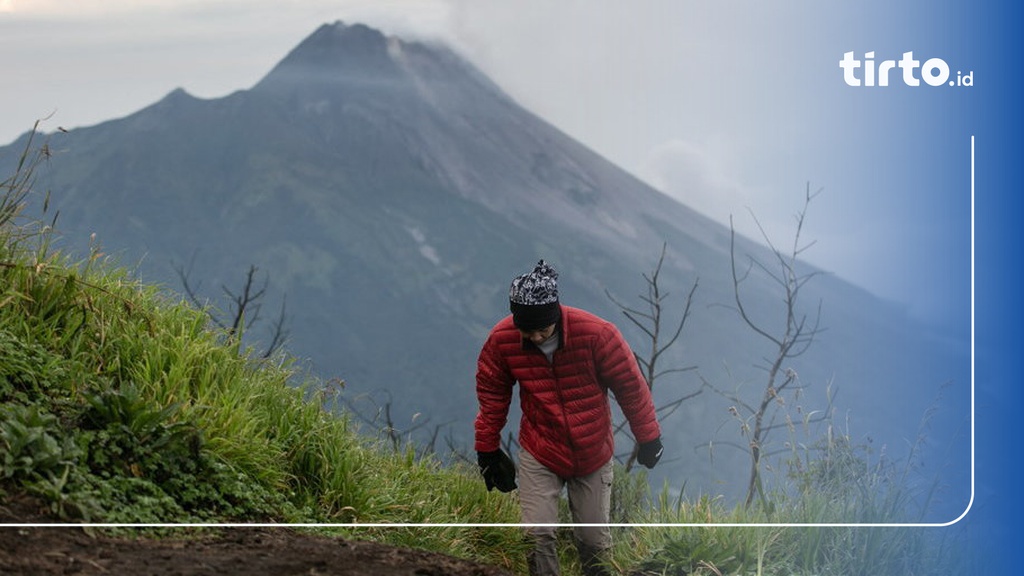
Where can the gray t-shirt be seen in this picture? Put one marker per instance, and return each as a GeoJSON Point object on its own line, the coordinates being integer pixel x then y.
{"type": "Point", "coordinates": [549, 346]}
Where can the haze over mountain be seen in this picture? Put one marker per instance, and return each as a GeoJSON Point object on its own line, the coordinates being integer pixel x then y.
{"type": "Point", "coordinates": [390, 192]}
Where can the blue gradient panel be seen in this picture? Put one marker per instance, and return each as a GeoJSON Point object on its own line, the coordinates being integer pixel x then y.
{"type": "Point", "coordinates": [905, 149]}
{"type": "Point", "coordinates": [995, 519]}
{"type": "Point", "coordinates": [990, 110]}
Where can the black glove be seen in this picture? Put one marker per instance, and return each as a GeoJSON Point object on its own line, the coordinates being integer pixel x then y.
{"type": "Point", "coordinates": [498, 470]}
{"type": "Point", "coordinates": [650, 452]}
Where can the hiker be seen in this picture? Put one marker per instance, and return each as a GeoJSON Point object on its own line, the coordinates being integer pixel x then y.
{"type": "Point", "coordinates": [565, 361]}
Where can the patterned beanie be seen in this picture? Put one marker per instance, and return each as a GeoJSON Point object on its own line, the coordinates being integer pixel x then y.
{"type": "Point", "coordinates": [533, 298]}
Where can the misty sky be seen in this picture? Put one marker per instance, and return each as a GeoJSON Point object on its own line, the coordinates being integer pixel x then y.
{"type": "Point", "coordinates": [733, 108]}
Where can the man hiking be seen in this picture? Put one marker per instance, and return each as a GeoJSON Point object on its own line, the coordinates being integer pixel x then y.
{"type": "Point", "coordinates": [565, 361]}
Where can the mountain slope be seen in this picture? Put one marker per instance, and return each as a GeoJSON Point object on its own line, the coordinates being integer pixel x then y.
{"type": "Point", "coordinates": [390, 192]}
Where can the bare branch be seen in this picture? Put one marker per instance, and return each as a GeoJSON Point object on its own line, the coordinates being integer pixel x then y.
{"type": "Point", "coordinates": [280, 333]}
{"type": "Point", "coordinates": [792, 338]}
{"type": "Point", "coordinates": [649, 321]}
{"type": "Point", "coordinates": [245, 308]}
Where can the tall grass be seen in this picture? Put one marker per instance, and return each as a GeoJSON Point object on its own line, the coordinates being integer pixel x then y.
{"type": "Point", "coordinates": [810, 528]}
{"type": "Point", "coordinates": [121, 404]}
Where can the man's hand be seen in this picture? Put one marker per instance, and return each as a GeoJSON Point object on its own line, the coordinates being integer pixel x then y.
{"type": "Point", "coordinates": [498, 470]}
{"type": "Point", "coordinates": [650, 452]}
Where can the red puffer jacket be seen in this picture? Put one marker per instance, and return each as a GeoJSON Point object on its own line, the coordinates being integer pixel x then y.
{"type": "Point", "coordinates": [567, 422]}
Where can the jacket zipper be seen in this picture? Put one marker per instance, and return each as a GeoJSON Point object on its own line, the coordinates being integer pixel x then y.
{"type": "Point", "coordinates": [565, 417]}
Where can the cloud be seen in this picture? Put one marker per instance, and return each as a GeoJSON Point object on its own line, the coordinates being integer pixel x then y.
{"type": "Point", "coordinates": [79, 8]}
{"type": "Point", "coordinates": [696, 175]}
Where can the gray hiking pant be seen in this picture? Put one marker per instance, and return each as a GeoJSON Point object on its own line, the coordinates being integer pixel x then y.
{"type": "Point", "coordinates": [590, 503]}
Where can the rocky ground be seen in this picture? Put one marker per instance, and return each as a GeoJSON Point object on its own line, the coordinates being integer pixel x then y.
{"type": "Point", "coordinates": [42, 550]}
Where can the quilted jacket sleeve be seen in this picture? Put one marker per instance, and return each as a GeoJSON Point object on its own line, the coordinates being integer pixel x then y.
{"type": "Point", "coordinates": [619, 372]}
{"type": "Point", "coordinates": [494, 385]}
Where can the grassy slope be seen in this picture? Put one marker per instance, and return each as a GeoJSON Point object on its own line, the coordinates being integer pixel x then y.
{"type": "Point", "coordinates": [119, 404]}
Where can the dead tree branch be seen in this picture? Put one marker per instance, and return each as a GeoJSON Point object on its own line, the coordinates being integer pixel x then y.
{"type": "Point", "coordinates": [649, 320]}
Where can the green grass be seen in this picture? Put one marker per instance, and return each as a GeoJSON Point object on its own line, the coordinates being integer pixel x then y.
{"type": "Point", "coordinates": [119, 403]}
{"type": "Point", "coordinates": [777, 545]}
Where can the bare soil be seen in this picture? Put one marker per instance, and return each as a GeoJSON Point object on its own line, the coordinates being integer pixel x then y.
{"type": "Point", "coordinates": [45, 550]}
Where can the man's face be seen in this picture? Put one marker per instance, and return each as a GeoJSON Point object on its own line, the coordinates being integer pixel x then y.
{"type": "Point", "coordinates": [538, 336]}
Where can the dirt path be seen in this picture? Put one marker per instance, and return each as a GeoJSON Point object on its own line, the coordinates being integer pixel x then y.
{"type": "Point", "coordinates": [44, 551]}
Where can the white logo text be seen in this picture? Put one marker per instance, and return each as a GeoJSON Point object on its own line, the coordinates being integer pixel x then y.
{"type": "Point", "coordinates": [934, 71]}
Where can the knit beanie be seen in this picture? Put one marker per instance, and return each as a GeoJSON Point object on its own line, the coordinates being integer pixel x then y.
{"type": "Point", "coordinates": [533, 298]}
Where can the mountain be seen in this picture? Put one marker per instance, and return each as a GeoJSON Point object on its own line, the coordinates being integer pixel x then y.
{"type": "Point", "coordinates": [389, 192]}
